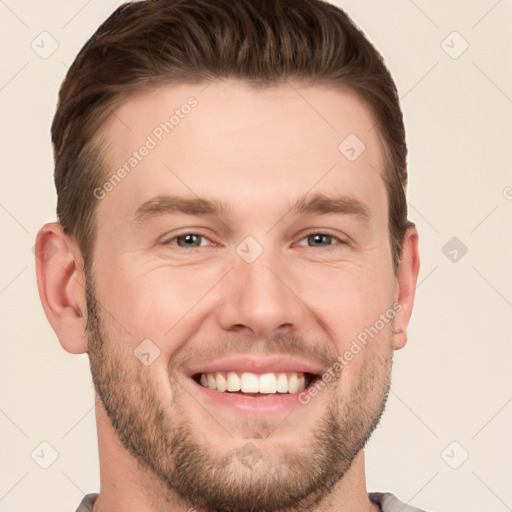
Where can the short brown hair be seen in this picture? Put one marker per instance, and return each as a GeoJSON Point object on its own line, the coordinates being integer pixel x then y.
{"type": "Point", "coordinates": [263, 42]}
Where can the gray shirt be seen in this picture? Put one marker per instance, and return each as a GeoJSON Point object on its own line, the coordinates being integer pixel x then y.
{"type": "Point", "coordinates": [386, 501]}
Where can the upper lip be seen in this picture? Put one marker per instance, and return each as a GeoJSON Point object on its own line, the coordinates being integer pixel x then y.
{"type": "Point", "coordinates": [275, 364]}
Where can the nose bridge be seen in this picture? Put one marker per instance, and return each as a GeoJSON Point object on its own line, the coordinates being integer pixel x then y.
{"type": "Point", "coordinates": [259, 294]}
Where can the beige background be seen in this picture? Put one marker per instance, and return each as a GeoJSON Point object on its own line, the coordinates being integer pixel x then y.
{"type": "Point", "coordinates": [451, 383]}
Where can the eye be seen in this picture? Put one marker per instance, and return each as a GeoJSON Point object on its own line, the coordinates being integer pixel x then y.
{"type": "Point", "coordinates": [196, 240]}
{"type": "Point", "coordinates": [190, 240]}
{"type": "Point", "coordinates": [321, 240]}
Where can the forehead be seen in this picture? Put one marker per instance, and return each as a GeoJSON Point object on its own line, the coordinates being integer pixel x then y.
{"type": "Point", "coordinates": [232, 142]}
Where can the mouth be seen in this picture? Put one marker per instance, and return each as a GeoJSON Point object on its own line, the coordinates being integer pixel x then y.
{"type": "Point", "coordinates": [255, 384]}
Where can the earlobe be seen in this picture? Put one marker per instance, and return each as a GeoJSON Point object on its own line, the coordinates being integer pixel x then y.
{"type": "Point", "coordinates": [405, 285]}
{"type": "Point", "coordinates": [61, 285]}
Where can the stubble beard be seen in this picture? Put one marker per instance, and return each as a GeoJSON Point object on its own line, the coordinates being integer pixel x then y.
{"type": "Point", "coordinates": [161, 438]}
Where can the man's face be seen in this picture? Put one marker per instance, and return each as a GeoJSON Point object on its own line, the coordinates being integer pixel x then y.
{"type": "Point", "coordinates": [180, 300]}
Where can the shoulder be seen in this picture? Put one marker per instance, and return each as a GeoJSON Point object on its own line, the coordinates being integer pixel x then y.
{"type": "Point", "coordinates": [87, 503]}
{"type": "Point", "coordinates": [390, 503]}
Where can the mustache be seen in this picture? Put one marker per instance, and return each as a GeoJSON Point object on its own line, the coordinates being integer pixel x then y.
{"type": "Point", "coordinates": [282, 344]}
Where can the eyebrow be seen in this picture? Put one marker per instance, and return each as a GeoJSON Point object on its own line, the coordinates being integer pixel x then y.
{"type": "Point", "coordinates": [316, 204]}
{"type": "Point", "coordinates": [168, 205]}
{"type": "Point", "coordinates": [324, 204]}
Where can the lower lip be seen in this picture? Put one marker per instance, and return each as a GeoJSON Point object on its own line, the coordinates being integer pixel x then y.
{"type": "Point", "coordinates": [263, 404]}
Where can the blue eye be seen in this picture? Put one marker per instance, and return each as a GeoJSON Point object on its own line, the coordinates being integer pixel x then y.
{"type": "Point", "coordinates": [191, 240]}
{"type": "Point", "coordinates": [196, 240]}
{"type": "Point", "coordinates": [322, 239]}
{"type": "Point", "coordinates": [318, 238]}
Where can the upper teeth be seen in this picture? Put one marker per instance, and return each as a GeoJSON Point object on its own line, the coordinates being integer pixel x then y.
{"type": "Point", "coordinates": [289, 382]}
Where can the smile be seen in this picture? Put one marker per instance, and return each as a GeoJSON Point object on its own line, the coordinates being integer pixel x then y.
{"type": "Point", "coordinates": [254, 383]}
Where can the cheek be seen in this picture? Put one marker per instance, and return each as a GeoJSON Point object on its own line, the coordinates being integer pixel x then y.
{"type": "Point", "coordinates": [366, 360]}
{"type": "Point", "coordinates": [353, 302]}
{"type": "Point", "coordinates": [152, 300]}
{"type": "Point", "coordinates": [348, 299]}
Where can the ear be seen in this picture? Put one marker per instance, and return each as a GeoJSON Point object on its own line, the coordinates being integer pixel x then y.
{"type": "Point", "coordinates": [405, 285]}
{"type": "Point", "coordinates": [61, 284]}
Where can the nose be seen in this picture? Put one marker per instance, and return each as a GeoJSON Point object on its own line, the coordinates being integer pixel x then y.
{"type": "Point", "coordinates": [262, 297]}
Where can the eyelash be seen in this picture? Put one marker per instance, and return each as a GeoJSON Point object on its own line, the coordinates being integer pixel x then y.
{"type": "Point", "coordinates": [305, 236]}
